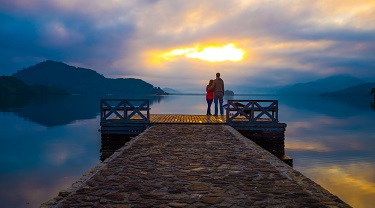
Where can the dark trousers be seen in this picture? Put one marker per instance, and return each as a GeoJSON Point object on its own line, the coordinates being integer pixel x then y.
{"type": "Point", "coordinates": [209, 102]}
{"type": "Point", "coordinates": [218, 100]}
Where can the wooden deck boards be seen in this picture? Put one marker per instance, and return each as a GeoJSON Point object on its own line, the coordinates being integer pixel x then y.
{"type": "Point", "coordinates": [193, 119]}
{"type": "Point", "coordinates": [175, 118]}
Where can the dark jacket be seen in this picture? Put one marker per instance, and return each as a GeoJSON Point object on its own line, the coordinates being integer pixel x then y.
{"type": "Point", "coordinates": [218, 85]}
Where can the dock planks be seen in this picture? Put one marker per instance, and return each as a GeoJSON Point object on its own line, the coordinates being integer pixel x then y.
{"type": "Point", "coordinates": [194, 119]}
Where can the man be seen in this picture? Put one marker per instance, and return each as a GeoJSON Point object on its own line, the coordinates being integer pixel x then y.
{"type": "Point", "coordinates": [218, 86]}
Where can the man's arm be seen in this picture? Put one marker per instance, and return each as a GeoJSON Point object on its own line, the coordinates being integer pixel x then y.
{"type": "Point", "coordinates": [212, 86]}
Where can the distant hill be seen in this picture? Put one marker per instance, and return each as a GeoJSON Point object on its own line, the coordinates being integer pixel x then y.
{"type": "Point", "coordinates": [229, 93]}
{"type": "Point", "coordinates": [358, 90]}
{"type": "Point", "coordinates": [13, 86]}
{"type": "Point", "coordinates": [78, 80]}
{"type": "Point", "coordinates": [329, 84]}
{"type": "Point", "coordinates": [171, 91]}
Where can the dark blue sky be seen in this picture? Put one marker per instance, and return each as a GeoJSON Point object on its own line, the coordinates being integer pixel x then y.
{"type": "Point", "coordinates": [282, 41]}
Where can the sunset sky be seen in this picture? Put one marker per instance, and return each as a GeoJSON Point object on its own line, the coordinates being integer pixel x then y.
{"type": "Point", "coordinates": [182, 44]}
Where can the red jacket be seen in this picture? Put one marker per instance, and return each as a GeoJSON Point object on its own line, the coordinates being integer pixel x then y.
{"type": "Point", "coordinates": [209, 94]}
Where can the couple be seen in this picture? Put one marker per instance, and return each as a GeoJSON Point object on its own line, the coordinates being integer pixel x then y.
{"type": "Point", "coordinates": [215, 91]}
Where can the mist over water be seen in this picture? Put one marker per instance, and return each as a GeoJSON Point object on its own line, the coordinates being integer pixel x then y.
{"type": "Point", "coordinates": [47, 144]}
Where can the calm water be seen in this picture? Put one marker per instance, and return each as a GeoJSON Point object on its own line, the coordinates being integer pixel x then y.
{"type": "Point", "coordinates": [47, 144]}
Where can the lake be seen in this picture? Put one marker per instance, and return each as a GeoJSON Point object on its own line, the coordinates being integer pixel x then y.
{"type": "Point", "coordinates": [47, 144]}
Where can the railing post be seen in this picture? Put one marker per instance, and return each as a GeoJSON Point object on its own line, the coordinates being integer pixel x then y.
{"type": "Point", "coordinates": [247, 109]}
{"type": "Point", "coordinates": [227, 111]}
{"type": "Point", "coordinates": [115, 117]}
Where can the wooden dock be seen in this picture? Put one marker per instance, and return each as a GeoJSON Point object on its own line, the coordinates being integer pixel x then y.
{"type": "Point", "coordinates": [258, 120]}
{"type": "Point", "coordinates": [193, 165]}
{"type": "Point", "coordinates": [129, 116]}
{"type": "Point", "coordinates": [194, 161]}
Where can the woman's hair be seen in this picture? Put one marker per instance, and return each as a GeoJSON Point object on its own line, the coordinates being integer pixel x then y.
{"type": "Point", "coordinates": [210, 82]}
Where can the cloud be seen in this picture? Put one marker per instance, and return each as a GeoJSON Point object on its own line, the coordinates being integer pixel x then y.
{"type": "Point", "coordinates": [72, 37]}
{"type": "Point", "coordinates": [119, 38]}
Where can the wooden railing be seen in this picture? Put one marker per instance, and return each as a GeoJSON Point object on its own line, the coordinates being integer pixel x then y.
{"type": "Point", "coordinates": [124, 111]}
{"type": "Point", "coordinates": [252, 111]}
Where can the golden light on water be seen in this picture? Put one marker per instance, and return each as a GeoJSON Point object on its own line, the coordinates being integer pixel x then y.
{"type": "Point", "coordinates": [228, 52]}
{"type": "Point", "coordinates": [347, 181]}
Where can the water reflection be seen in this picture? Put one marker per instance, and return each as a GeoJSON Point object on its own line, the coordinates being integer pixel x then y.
{"type": "Point", "coordinates": [59, 110]}
{"type": "Point", "coordinates": [348, 181]}
{"type": "Point", "coordinates": [335, 149]}
{"type": "Point", "coordinates": [38, 161]}
{"type": "Point", "coordinates": [47, 144]}
{"type": "Point", "coordinates": [331, 106]}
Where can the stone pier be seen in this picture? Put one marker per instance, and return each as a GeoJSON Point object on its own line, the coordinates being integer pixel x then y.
{"type": "Point", "coordinates": [180, 165]}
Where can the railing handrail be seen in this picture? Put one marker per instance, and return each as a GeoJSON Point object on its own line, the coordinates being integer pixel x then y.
{"type": "Point", "coordinates": [121, 107]}
{"type": "Point", "coordinates": [247, 108]}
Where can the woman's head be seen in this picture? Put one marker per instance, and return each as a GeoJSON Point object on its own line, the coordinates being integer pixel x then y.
{"type": "Point", "coordinates": [210, 82]}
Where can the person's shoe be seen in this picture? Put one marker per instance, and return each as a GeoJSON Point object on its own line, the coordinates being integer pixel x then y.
{"type": "Point", "coordinates": [215, 115]}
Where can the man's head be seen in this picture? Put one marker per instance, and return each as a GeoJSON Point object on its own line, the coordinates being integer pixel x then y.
{"type": "Point", "coordinates": [218, 74]}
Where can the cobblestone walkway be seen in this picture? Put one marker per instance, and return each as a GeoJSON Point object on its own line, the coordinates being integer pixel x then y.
{"type": "Point", "coordinates": [194, 166]}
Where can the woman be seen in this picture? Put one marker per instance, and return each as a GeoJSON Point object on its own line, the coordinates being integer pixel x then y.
{"type": "Point", "coordinates": [209, 97]}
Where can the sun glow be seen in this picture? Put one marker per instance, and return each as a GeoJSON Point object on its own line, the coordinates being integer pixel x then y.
{"type": "Point", "coordinates": [209, 53]}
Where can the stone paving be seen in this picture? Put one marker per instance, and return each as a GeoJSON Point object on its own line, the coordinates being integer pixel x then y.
{"type": "Point", "coordinates": [193, 166]}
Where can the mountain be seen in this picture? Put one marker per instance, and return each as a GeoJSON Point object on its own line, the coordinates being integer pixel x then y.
{"type": "Point", "coordinates": [358, 90]}
{"type": "Point", "coordinates": [78, 80]}
{"type": "Point", "coordinates": [171, 91]}
{"type": "Point", "coordinates": [329, 84]}
{"type": "Point", "coordinates": [13, 86]}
